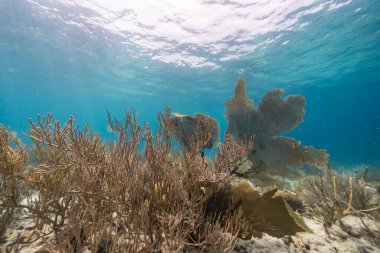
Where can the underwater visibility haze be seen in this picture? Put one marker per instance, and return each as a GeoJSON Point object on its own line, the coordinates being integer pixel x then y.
{"type": "Point", "coordinates": [90, 56]}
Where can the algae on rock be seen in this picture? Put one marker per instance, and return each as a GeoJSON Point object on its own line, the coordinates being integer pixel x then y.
{"type": "Point", "coordinates": [273, 116]}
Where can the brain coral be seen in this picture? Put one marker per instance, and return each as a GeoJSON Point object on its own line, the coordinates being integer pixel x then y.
{"type": "Point", "coordinates": [272, 117]}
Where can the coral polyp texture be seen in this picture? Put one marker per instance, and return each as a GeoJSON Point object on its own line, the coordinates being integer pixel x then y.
{"type": "Point", "coordinates": [273, 116]}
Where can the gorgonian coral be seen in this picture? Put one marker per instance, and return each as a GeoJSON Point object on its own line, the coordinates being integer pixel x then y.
{"type": "Point", "coordinates": [273, 116]}
{"type": "Point", "coordinates": [199, 132]}
{"type": "Point", "coordinates": [13, 163]}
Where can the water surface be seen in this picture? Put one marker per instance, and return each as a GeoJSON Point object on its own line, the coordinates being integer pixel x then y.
{"type": "Point", "coordinates": [90, 56]}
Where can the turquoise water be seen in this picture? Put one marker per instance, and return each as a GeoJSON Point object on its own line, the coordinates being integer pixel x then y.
{"type": "Point", "coordinates": [90, 56]}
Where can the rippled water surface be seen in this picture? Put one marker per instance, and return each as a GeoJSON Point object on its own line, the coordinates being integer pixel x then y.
{"type": "Point", "coordinates": [90, 56]}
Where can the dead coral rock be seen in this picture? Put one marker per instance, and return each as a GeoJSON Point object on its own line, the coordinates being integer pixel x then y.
{"type": "Point", "coordinates": [273, 116]}
{"type": "Point", "coordinates": [201, 130]}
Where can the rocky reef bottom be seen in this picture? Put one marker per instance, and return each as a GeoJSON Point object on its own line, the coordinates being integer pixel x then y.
{"type": "Point", "coordinates": [354, 234]}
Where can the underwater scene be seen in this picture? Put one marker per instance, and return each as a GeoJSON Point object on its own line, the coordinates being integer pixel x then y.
{"type": "Point", "coordinates": [189, 126]}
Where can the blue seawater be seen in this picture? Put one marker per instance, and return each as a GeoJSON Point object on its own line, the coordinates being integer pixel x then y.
{"type": "Point", "coordinates": [90, 56]}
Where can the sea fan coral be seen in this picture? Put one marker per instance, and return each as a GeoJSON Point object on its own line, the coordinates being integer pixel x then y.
{"type": "Point", "coordinates": [273, 116]}
{"type": "Point", "coordinates": [199, 132]}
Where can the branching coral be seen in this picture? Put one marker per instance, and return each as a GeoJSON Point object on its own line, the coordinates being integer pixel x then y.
{"type": "Point", "coordinates": [13, 161]}
{"type": "Point", "coordinates": [114, 198]}
{"type": "Point", "coordinates": [332, 196]}
{"type": "Point", "coordinates": [273, 116]}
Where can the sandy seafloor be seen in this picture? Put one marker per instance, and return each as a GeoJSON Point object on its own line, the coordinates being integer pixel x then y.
{"type": "Point", "coordinates": [355, 238]}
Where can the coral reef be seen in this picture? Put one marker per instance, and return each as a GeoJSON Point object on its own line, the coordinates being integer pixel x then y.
{"type": "Point", "coordinates": [271, 153]}
{"type": "Point", "coordinates": [113, 198]}
{"type": "Point", "coordinates": [135, 194]}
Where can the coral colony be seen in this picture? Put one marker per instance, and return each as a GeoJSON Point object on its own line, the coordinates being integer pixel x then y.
{"type": "Point", "coordinates": [84, 194]}
{"type": "Point", "coordinates": [273, 116]}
